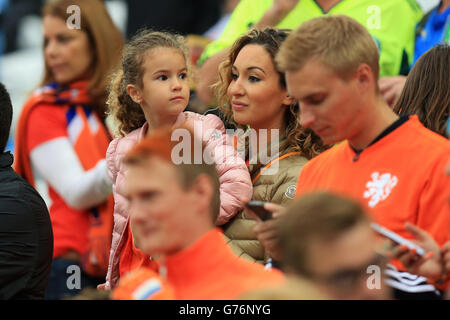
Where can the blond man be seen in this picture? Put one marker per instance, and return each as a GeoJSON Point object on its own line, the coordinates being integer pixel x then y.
{"type": "Point", "coordinates": [393, 166]}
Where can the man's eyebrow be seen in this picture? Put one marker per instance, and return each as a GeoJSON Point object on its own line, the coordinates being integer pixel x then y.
{"type": "Point", "coordinates": [311, 95]}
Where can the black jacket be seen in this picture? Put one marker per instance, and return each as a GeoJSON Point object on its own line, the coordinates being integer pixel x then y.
{"type": "Point", "coordinates": [26, 237]}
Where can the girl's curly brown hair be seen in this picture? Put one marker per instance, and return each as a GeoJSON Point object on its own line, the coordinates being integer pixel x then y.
{"type": "Point", "coordinates": [301, 140]}
{"type": "Point", "coordinates": [127, 113]}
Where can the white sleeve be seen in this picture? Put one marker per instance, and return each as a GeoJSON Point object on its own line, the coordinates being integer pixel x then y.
{"type": "Point", "coordinates": [58, 164]}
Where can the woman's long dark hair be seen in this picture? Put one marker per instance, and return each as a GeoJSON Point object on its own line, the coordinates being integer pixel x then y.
{"type": "Point", "coordinates": [298, 139]}
{"type": "Point", "coordinates": [426, 92]}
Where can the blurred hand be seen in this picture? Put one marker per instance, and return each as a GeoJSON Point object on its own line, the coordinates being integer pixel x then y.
{"type": "Point", "coordinates": [283, 7]}
{"type": "Point", "coordinates": [101, 287]}
{"type": "Point", "coordinates": [445, 252]}
{"type": "Point", "coordinates": [277, 12]}
{"type": "Point", "coordinates": [391, 88]}
{"type": "Point", "coordinates": [430, 265]}
{"type": "Point", "coordinates": [266, 231]}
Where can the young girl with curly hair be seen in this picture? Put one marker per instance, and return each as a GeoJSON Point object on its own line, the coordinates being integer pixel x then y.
{"type": "Point", "coordinates": [151, 91]}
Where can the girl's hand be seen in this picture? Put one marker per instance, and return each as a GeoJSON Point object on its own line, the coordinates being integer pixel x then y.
{"type": "Point", "coordinates": [391, 88]}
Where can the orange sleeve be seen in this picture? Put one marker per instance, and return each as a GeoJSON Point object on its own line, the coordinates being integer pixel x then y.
{"type": "Point", "coordinates": [45, 122]}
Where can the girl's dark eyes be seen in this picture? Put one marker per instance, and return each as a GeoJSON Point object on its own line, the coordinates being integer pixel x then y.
{"type": "Point", "coordinates": [182, 76]}
{"type": "Point", "coordinates": [234, 76]}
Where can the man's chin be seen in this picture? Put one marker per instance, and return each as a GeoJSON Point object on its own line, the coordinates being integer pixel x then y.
{"type": "Point", "coordinates": [150, 251]}
{"type": "Point", "coordinates": [329, 140]}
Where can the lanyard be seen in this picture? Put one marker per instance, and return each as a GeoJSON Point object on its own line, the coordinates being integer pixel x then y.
{"type": "Point", "coordinates": [272, 162]}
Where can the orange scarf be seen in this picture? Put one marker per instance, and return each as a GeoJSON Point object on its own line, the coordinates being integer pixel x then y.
{"type": "Point", "coordinates": [90, 141]}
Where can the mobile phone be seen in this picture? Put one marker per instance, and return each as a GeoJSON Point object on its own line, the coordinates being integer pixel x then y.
{"type": "Point", "coordinates": [397, 238]}
{"type": "Point", "coordinates": [258, 208]}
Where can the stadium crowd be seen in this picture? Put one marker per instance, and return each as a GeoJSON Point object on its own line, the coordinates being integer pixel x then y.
{"type": "Point", "coordinates": [217, 150]}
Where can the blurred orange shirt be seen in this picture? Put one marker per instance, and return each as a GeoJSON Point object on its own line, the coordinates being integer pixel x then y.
{"type": "Point", "coordinates": [206, 270]}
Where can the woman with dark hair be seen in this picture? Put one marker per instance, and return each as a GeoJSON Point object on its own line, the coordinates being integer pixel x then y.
{"type": "Point", "coordinates": [252, 95]}
{"type": "Point", "coordinates": [62, 139]}
{"type": "Point", "coordinates": [426, 92]}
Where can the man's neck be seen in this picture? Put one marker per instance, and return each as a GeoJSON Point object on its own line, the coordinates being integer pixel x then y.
{"type": "Point", "coordinates": [375, 122]}
{"type": "Point", "coordinates": [445, 4]}
{"type": "Point", "coordinates": [190, 237]}
{"type": "Point", "coordinates": [326, 5]}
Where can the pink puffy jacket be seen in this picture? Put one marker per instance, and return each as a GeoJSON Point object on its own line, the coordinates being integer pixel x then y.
{"type": "Point", "coordinates": [234, 178]}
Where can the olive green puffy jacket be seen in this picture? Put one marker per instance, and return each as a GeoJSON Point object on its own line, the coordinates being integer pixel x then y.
{"type": "Point", "coordinates": [277, 188]}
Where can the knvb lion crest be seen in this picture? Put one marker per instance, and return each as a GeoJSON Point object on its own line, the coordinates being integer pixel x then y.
{"type": "Point", "coordinates": [379, 188]}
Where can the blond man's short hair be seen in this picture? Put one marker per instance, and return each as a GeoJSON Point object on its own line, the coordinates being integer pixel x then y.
{"type": "Point", "coordinates": [339, 42]}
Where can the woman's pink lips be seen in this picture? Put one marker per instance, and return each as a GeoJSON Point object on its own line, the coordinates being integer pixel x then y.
{"type": "Point", "coordinates": [239, 106]}
{"type": "Point", "coordinates": [57, 68]}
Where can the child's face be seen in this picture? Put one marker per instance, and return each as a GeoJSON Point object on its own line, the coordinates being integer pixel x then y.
{"type": "Point", "coordinates": [165, 88]}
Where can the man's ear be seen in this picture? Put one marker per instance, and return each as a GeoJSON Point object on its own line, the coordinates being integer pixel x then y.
{"type": "Point", "coordinates": [203, 186]}
{"type": "Point", "coordinates": [203, 190]}
{"type": "Point", "coordinates": [135, 93]}
{"type": "Point", "coordinates": [365, 78]}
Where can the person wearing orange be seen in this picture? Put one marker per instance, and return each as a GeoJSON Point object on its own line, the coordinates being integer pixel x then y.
{"type": "Point", "coordinates": [149, 91]}
{"type": "Point", "coordinates": [173, 209]}
{"type": "Point", "coordinates": [253, 98]}
{"type": "Point", "coordinates": [62, 139]}
{"type": "Point", "coordinates": [435, 265]}
{"type": "Point", "coordinates": [143, 284]}
{"type": "Point", "coordinates": [392, 165]}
